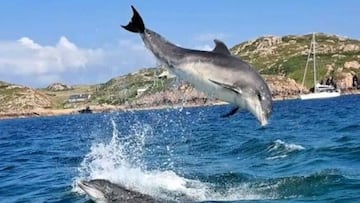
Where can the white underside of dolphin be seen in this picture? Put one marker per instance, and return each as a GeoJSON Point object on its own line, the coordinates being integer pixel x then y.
{"type": "Point", "coordinates": [217, 72]}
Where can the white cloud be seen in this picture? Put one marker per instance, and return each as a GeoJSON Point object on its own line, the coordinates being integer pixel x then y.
{"type": "Point", "coordinates": [26, 57]}
{"type": "Point", "coordinates": [204, 47]}
{"type": "Point", "coordinates": [27, 42]}
{"type": "Point", "coordinates": [205, 41]}
{"type": "Point", "coordinates": [27, 62]}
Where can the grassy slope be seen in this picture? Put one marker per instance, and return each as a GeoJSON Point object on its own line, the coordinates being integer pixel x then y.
{"type": "Point", "coordinates": [289, 57]}
{"type": "Point", "coordinates": [60, 97]}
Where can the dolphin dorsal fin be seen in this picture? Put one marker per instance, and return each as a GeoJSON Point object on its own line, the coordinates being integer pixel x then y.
{"type": "Point", "coordinates": [220, 47]}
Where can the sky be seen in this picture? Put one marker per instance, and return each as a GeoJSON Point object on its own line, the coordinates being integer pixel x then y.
{"type": "Point", "coordinates": [81, 42]}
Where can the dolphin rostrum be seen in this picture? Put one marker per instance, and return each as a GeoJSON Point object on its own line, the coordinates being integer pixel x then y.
{"type": "Point", "coordinates": [217, 72]}
{"type": "Point", "coordinates": [103, 191]}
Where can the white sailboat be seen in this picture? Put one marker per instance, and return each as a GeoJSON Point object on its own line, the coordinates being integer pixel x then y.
{"type": "Point", "coordinates": [321, 91]}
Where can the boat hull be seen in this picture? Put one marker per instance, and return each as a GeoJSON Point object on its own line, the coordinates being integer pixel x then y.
{"type": "Point", "coordinates": [319, 95]}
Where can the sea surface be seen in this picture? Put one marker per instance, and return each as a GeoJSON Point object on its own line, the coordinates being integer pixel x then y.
{"type": "Point", "coordinates": [309, 152]}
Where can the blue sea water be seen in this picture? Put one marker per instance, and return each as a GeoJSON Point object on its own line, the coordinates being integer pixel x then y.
{"type": "Point", "coordinates": [309, 152]}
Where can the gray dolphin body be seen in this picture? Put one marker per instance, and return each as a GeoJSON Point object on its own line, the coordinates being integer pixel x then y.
{"type": "Point", "coordinates": [217, 72]}
{"type": "Point", "coordinates": [103, 191]}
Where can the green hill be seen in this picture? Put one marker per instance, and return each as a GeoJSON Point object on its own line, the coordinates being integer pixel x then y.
{"type": "Point", "coordinates": [287, 56]}
{"type": "Point", "coordinates": [125, 89]}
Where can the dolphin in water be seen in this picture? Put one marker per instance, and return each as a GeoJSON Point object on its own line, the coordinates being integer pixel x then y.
{"type": "Point", "coordinates": [103, 191]}
{"type": "Point", "coordinates": [216, 72]}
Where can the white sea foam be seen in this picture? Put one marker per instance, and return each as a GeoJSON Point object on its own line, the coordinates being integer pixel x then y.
{"type": "Point", "coordinates": [280, 149]}
{"type": "Point", "coordinates": [281, 145]}
{"type": "Point", "coordinates": [121, 162]}
{"type": "Point", "coordinates": [277, 157]}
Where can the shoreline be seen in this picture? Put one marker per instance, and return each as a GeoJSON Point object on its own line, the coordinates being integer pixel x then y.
{"type": "Point", "coordinates": [42, 112]}
{"type": "Point", "coordinates": [95, 109]}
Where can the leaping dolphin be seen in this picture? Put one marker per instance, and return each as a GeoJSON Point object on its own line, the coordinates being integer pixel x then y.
{"type": "Point", "coordinates": [104, 191]}
{"type": "Point", "coordinates": [217, 72]}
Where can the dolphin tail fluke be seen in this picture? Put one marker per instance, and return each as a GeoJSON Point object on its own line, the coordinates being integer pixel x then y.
{"type": "Point", "coordinates": [136, 24]}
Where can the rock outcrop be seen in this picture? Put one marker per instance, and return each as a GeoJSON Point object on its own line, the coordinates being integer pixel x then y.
{"type": "Point", "coordinates": [345, 80]}
{"type": "Point", "coordinates": [184, 94]}
{"type": "Point", "coordinates": [283, 87]}
{"type": "Point", "coordinates": [352, 65]}
{"type": "Point", "coordinates": [17, 98]}
{"type": "Point", "coordinates": [58, 87]}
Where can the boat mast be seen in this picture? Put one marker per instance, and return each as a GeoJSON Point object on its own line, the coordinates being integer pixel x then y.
{"type": "Point", "coordinates": [307, 64]}
{"type": "Point", "coordinates": [314, 62]}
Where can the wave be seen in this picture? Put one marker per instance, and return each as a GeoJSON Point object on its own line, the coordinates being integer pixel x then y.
{"type": "Point", "coordinates": [299, 186]}
{"type": "Point", "coordinates": [235, 187]}
{"type": "Point", "coordinates": [350, 128]}
{"type": "Point", "coordinates": [280, 149]}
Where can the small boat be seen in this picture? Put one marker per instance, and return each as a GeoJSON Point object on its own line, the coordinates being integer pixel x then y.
{"type": "Point", "coordinates": [86, 110]}
{"type": "Point", "coordinates": [321, 91]}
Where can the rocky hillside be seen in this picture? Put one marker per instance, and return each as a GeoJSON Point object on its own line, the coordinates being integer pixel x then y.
{"type": "Point", "coordinates": [127, 88]}
{"type": "Point", "coordinates": [281, 60]}
{"type": "Point", "coordinates": [155, 91]}
{"type": "Point", "coordinates": [17, 98]}
{"type": "Point", "coordinates": [177, 94]}
{"type": "Point", "coordinates": [336, 56]}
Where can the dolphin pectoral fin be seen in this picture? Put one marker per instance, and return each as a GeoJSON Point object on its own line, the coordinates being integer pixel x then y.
{"type": "Point", "coordinates": [232, 112]}
{"type": "Point", "coordinates": [226, 86]}
{"type": "Point", "coordinates": [220, 47]}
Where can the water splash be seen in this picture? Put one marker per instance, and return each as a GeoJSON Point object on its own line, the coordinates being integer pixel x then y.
{"type": "Point", "coordinates": [121, 162]}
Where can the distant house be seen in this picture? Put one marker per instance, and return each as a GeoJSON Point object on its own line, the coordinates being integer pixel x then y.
{"type": "Point", "coordinates": [141, 91]}
{"type": "Point", "coordinates": [166, 75]}
{"type": "Point", "coordinates": [79, 98]}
